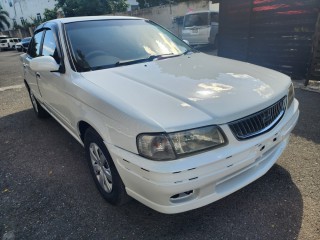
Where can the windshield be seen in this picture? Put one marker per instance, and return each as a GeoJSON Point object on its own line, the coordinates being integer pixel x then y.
{"type": "Point", "coordinates": [196, 19]}
{"type": "Point", "coordinates": [3, 41]}
{"type": "Point", "coordinates": [111, 43]}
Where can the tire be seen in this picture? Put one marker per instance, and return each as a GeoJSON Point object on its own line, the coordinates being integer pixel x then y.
{"type": "Point", "coordinates": [38, 109]}
{"type": "Point", "coordinates": [103, 170]}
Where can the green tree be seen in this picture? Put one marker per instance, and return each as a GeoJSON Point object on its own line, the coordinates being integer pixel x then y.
{"type": "Point", "coordinates": [114, 6]}
{"type": "Point", "coordinates": [4, 19]}
{"type": "Point", "coordinates": [153, 3]}
{"type": "Point", "coordinates": [72, 8]}
{"type": "Point", "coordinates": [50, 14]}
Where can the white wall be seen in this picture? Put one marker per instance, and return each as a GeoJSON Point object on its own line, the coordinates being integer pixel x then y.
{"type": "Point", "coordinates": [25, 8]}
{"type": "Point", "coordinates": [165, 15]}
{"type": "Point", "coordinates": [130, 3]}
{"type": "Point", "coordinates": [214, 6]}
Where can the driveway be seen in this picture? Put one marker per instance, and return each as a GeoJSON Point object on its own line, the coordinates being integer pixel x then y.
{"type": "Point", "coordinates": [46, 190]}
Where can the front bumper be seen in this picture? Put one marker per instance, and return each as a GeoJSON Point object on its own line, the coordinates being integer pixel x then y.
{"type": "Point", "coordinates": [195, 181]}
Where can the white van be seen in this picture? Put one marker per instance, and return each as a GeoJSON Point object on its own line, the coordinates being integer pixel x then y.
{"type": "Point", "coordinates": [198, 25]}
{"type": "Point", "coordinates": [9, 43]}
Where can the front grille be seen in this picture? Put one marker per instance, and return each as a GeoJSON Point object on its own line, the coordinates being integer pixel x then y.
{"type": "Point", "coordinates": [259, 122]}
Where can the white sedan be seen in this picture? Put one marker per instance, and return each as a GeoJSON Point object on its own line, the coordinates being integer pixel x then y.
{"type": "Point", "coordinates": [174, 128]}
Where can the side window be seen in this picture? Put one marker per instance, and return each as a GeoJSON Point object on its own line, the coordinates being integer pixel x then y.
{"type": "Point", "coordinates": [50, 47]}
{"type": "Point", "coordinates": [214, 17]}
{"type": "Point", "coordinates": [34, 47]}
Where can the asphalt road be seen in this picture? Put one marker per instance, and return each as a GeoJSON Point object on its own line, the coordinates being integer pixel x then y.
{"type": "Point", "coordinates": [46, 191]}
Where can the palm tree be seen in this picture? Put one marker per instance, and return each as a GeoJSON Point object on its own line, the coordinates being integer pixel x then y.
{"type": "Point", "coordinates": [4, 15]}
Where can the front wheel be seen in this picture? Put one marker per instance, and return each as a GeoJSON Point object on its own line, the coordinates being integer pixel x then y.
{"type": "Point", "coordinates": [38, 109]}
{"type": "Point", "coordinates": [103, 170]}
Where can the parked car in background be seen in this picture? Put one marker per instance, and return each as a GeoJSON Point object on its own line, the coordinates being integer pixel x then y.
{"type": "Point", "coordinates": [6, 44]}
{"type": "Point", "coordinates": [174, 128]}
{"type": "Point", "coordinates": [200, 28]}
{"type": "Point", "coordinates": [9, 43]}
{"type": "Point", "coordinates": [23, 45]}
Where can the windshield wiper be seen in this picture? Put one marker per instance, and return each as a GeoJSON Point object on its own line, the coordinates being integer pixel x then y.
{"type": "Point", "coordinates": [147, 59]}
{"type": "Point", "coordinates": [190, 51]}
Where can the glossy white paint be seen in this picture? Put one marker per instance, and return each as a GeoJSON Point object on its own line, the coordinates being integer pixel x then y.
{"type": "Point", "coordinates": [44, 63]}
{"type": "Point", "coordinates": [202, 89]}
{"type": "Point", "coordinates": [165, 96]}
{"type": "Point", "coordinates": [211, 175]}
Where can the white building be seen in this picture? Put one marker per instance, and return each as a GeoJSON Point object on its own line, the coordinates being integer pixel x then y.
{"type": "Point", "coordinates": [132, 5]}
{"type": "Point", "coordinates": [21, 11]}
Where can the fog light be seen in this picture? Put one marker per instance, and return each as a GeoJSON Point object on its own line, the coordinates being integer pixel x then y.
{"type": "Point", "coordinates": [182, 197]}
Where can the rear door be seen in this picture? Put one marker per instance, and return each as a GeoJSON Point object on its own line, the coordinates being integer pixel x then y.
{"type": "Point", "coordinates": [11, 44]}
{"type": "Point", "coordinates": [214, 22]}
{"type": "Point", "coordinates": [4, 43]}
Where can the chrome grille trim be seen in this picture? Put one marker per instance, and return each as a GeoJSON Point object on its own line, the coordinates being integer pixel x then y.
{"type": "Point", "coordinates": [260, 122]}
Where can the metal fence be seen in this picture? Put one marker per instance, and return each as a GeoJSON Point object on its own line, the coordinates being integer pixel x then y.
{"type": "Point", "coordinates": [277, 34]}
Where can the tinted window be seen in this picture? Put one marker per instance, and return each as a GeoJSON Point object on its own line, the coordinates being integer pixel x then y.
{"type": "Point", "coordinates": [49, 46]}
{"type": "Point", "coordinates": [3, 41]}
{"type": "Point", "coordinates": [11, 40]}
{"type": "Point", "coordinates": [196, 19]}
{"type": "Point", "coordinates": [34, 48]}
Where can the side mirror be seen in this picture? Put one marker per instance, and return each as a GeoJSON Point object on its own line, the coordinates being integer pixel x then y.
{"type": "Point", "coordinates": [44, 63]}
{"type": "Point", "coordinates": [187, 42]}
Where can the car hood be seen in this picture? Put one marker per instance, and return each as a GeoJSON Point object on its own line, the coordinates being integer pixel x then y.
{"type": "Point", "coordinates": [191, 90]}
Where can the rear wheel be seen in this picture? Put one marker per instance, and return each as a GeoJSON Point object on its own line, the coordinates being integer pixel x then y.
{"type": "Point", "coordinates": [216, 42]}
{"type": "Point", "coordinates": [103, 170]}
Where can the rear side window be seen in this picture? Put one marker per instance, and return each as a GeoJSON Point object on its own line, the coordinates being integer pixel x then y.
{"type": "Point", "coordinates": [34, 47]}
{"type": "Point", "coordinates": [49, 46]}
{"type": "Point", "coordinates": [196, 19]}
{"type": "Point", "coordinates": [214, 17]}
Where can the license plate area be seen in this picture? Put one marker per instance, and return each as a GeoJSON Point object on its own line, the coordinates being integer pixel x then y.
{"type": "Point", "coordinates": [268, 144]}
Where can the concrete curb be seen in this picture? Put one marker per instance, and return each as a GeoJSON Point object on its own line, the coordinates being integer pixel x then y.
{"type": "Point", "coordinates": [313, 86]}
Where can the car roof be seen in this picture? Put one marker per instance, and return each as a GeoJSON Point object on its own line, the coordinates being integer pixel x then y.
{"type": "Point", "coordinates": [91, 18]}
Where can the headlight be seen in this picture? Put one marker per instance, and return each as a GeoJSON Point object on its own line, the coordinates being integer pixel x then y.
{"type": "Point", "coordinates": [290, 95]}
{"type": "Point", "coordinates": [174, 145]}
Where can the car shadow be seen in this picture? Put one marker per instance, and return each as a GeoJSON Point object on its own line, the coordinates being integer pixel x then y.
{"type": "Point", "coordinates": [50, 190]}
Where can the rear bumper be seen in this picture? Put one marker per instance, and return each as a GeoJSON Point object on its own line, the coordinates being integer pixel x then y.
{"type": "Point", "coordinates": [195, 181]}
{"type": "Point", "coordinates": [5, 47]}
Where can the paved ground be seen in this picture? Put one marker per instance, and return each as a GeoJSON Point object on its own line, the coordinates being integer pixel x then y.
{"type": "Point", "coordinates": [46, 191]}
